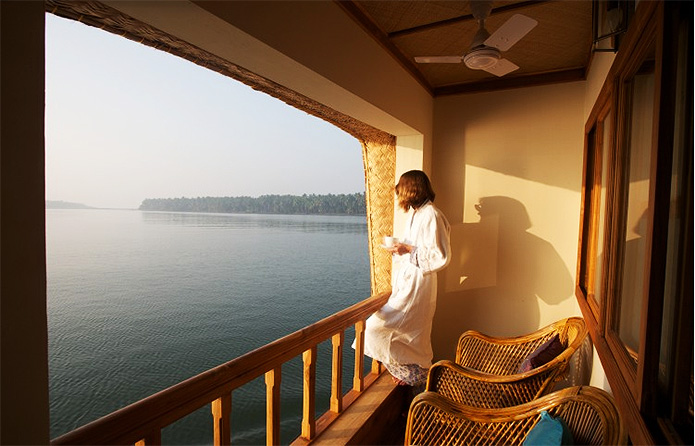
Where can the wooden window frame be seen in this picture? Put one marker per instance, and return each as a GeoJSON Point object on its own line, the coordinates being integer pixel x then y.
{"type": "Point", "coordinates": [630, 367]}
{"type": "Point", "coordinates": [633, 382]}
{"type": "Point", "coordinates": [593, 173]}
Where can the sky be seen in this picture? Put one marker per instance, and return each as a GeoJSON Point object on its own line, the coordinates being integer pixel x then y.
{"type": "Point", "coordinates": [126, 122]}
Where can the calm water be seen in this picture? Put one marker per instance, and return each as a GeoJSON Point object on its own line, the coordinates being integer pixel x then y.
{"type": "Point", "coordinates": [139, 301]}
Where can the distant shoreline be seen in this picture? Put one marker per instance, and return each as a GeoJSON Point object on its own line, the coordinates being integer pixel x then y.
{"type": "Point", "coordinates": [327, 204]}
{"type": "Point", "coordinates": [330, 204]}
{"type": "Point", "coordinates": [51, 204]}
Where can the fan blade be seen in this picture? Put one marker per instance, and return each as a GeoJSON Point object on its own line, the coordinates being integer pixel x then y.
{"type": "Point", "coordinates": [511, 32]}
{"type": "Point", "coordinates": [439, 59]}
{"type": "Point", "coordinates": [502, 67]}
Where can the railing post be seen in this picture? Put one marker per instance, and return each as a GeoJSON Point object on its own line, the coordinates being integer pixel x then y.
{"type": "Point", "coordinates": [273, 379]}
{"type": "Point", "coordinates": [309, 406]}
{"type": "Point", "coordinates": [221, 411]}
{"type": "Point", "coordinates": [337, 375]}
{"type": "Point", "coordinates": [358, 378]}
{"type": "Point", "coordinates": [153, 438]}
{"type": "Point", "coordinates": [377, 367]}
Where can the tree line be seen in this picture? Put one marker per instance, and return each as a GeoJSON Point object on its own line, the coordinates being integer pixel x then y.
{"type": "Point", "coordinates": [339, 204]}
{"type": "Point", "coordinates": [51, 204]}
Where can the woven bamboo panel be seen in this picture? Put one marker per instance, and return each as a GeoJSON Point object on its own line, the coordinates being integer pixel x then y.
{"type": "Point", "coordinates": [379, 162]}
{"type": "Point", "coordinates": [378, 147]}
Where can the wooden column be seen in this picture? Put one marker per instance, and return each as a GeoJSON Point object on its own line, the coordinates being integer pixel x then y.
{"type": "Point", "coordinates": [24, 406]}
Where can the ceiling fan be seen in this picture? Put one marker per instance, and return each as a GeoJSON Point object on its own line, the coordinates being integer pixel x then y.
{"type": "Point", "coordinates": [484, 51]}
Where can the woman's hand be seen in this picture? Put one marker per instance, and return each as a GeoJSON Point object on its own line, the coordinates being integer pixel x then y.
{"type": "Point", "coordinates": [401, 249]}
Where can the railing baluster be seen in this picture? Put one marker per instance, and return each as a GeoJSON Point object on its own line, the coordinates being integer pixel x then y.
{"type": "Point", "coordinates": [377, 367]}
{"type": "Point", "coordinates": [221, 411]}
{"type": "Point", "coordinates": [309, 406]}
{"type": "Point", "coordinates": [358, 378]}
{"type": "Point", "coordinates": [337, 375]}
{"type": "Point", "coordinates": [273, 379]}
{"type": "Point", "coordinates": [153, 438]}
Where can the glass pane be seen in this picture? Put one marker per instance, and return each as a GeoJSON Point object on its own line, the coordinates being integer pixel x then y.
{"type": "Point", "coordinates": [676, 227]}
{"type": "Point", "coordinates": [675, 378]}
{"type": "Point", "coordinates": [638, 215]}
{"type": "Point", "coordinates": [606, 148]}
{"type": "Point", "coordinates": [587, 246]}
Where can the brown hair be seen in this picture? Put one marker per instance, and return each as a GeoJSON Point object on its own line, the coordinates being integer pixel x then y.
{"type": "Point", "coordinates": [413, 190]}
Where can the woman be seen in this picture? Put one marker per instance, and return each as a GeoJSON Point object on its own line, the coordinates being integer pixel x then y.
{"type": "Point", "coordinates": [398, 335]}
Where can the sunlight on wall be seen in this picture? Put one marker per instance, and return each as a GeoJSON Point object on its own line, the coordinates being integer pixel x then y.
{"type": "Point", "coordinates": [491, 215]}
{"type": "Point", "coordinates": [516, 154]}
{"type": "Point", "coordinates": [514, 260]}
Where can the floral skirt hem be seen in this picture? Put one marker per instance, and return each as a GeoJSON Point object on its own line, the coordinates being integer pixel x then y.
{"type": "Point", "coordinates": [411, 374]}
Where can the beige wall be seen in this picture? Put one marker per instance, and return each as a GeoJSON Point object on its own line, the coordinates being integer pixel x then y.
{"type": "Point", "coordinates": [517, 153]}
{"type": "Point", "coordinates": [600, 65]}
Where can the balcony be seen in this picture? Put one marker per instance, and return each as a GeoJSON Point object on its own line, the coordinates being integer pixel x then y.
{"type": "Point", "coordinates": [369, 413]}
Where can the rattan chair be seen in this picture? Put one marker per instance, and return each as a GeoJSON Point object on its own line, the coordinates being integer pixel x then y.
{"type": "Point", "coordinates": [588, 412]}
{"type": "Point", "coordinates": [485, 373]}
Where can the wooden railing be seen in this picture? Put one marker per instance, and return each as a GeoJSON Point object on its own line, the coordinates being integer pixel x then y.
{"type": "Point", "coordinates": [141, 423]}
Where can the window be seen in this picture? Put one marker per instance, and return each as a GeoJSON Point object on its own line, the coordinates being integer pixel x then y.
{"type": "Point", "coordinates": [599, 149]}
{"type": "Point", "coordinates": [635, 253]}
{"type": "Point", "coordinates": [632, 211]}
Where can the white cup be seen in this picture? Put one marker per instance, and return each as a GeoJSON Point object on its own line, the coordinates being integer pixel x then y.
{"type": "Point", "coordinates": [389, 241]}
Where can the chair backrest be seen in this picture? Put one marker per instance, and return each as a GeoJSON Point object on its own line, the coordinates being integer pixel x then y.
{"type": "Point", "coordinates": [589, 413]}
{"type": "Point", "coordinates": [472, 388]}
{"type": "Point", "coordinates": [503, 356]}
{"type": "Point", "coordinates": [487, 371]}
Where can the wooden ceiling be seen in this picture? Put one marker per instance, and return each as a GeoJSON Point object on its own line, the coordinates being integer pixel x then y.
{"type": "Point", "coordinates": [558, 49]}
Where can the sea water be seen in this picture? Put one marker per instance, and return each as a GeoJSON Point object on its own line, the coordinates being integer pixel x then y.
{"type": "Point", "coordinates": [139, 301]}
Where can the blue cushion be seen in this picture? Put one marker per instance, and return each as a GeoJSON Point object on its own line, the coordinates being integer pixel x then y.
{"type": "Point", "coordinates": [543, 354]}
{"type": "Point", "coordinates": [549, 431]}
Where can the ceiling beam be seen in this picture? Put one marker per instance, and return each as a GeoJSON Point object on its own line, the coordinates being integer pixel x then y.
{"type": "Point", "coordinates": [463, 18]}
{"type": "Point", "coordinates": [555, 77]}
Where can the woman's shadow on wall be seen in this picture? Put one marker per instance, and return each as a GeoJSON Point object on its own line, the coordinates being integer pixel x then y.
{"type": "Point", "coordinates": [497, 275]}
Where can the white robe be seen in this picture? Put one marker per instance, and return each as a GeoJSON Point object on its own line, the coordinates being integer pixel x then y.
{"type": "Point", "coordinates": [399, 333]}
